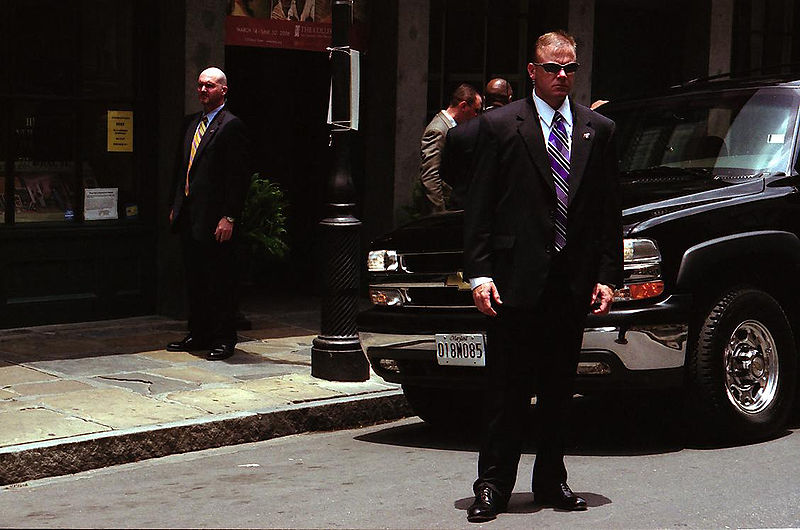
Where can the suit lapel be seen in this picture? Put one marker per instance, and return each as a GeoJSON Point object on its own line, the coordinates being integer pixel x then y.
{"type": "Point", "coordinates": [582, 140]}
{"type": "Point", "coordinates": [531, 133]}
{"type": "Point", "coordinates": [211, 129]}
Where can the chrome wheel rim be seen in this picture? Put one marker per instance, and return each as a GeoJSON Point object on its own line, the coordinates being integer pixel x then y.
{"type": "Point", "coordinates": [751, 367]}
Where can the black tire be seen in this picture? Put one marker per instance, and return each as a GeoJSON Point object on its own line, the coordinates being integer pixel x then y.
{"type": "Point", "coordinates": [742, 370]}
{"type": "Point", "coordinates": [445, 408]}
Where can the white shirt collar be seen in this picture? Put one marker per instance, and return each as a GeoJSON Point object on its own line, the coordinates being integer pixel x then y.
{"type": "Point", "coordinates": [449, 118]}
{"type": "Point", "coordinates": [547, 112]}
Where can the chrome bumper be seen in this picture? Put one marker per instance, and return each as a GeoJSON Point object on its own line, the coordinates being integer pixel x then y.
{"type": "Point", "coordinates": [638, 348]}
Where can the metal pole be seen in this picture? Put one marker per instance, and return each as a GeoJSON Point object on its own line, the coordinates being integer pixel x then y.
{"type": "Point", "coordinates": [336, 354]}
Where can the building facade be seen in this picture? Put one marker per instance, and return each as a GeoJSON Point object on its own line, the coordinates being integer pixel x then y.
{"type": "Point", "coordinates": [96, 90]}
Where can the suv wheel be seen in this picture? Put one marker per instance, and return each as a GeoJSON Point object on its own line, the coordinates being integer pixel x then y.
{"type": "Point", "coordinates": [444, 407]}
{"type": "Point", "coordinates": [742, 370]}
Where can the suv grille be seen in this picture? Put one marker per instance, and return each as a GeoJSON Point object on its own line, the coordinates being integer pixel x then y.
{"type": "Point", "coordinates": [432, 263]}
{"type": "Point", "coordinates": [429, 280]}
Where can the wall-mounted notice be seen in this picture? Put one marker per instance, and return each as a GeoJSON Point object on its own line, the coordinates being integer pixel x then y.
{"type": "Point", "coordinates": [120, 131]}
{"type": "Point", "coordinates": [100, 204]}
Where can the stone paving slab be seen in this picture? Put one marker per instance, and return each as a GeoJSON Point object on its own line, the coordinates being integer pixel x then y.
{"type": "Point", "coordinates": [273, 332]}
{"type": "Point", "coordinates": [104, 364]}
{"type": "Point", "coordinates": [14, 405]}
{"type": "Point", "coordinates": [80, 396]}
{"type": "Point", "coordinates": [118, 408]}
{"type": "Point", "coordinates": [146, 384]}
{"type": "Point", "coordinates": [59, 386]}
{"type": "Point", "coordinates": [171, 356]}
{"type": "Point", "coordinates": [278, 353]}
{"type": "Point", "coordinates": [34, 424]}
{"type": "Point", "coordinates": [40, 347]}
{"type": "Point", "coordinates": [294, 388]}
{"type": "Point", "coordinates": [225, 400]}
{"type": "Point", "coordinates": [193, 374]}
{"type": "Point", "coordinates": [13, 375]}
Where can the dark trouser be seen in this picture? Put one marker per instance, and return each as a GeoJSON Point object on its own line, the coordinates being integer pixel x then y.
{"type": "Point", "coordinates": [211, 283]}
{"type": "Point", "coordinates": [539, 346]}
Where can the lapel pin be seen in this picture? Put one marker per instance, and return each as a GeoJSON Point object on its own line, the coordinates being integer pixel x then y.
{"type": "Point", "coordinates": [587, 135]}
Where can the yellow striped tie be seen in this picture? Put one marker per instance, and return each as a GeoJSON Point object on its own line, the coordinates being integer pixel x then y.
{"type": "Point", "coordinates": [198, 135]}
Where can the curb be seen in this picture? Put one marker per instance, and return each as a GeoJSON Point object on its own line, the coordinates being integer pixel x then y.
{"type": "Point", "coordinates": [39, 460]}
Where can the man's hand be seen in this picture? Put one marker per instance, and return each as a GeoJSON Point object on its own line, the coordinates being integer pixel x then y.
{"type": "Point", "coordinates": [224, 230]}
{"type": "Point", "coordinates": [602, 295]}
{"type": "Point", "coordinates": [171, 215]}
{"type": "Point", "coordinates": [483, 295]}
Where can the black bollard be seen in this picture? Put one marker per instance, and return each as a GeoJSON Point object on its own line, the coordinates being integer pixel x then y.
{"type": "Point", "coordinates": [336, 354]}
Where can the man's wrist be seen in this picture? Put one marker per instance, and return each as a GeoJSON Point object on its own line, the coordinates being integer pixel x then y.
{"type": "Point", "coordinates": [230, 219]}
{"type": "Point", "coordinates": [480, 280]}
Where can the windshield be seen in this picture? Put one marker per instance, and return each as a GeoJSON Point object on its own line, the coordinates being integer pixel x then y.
{"type": "Point", "coordinates": [725, 134]}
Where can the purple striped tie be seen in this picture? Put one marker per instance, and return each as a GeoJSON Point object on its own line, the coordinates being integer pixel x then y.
{"type": "Point", "coordinates": [559, 163]}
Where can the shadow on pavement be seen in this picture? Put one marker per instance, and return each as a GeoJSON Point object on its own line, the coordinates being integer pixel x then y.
{"type": "Point", "coordinates": [274, 316]}
{"type": "Point", "coordinates": [611, 425]}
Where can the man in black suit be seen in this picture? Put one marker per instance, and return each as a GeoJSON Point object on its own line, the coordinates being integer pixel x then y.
{"type": "Point", "coordinates": [543, 231]}
{"type": "Point", "coordinates": [212, 180]}
{"type": "Point", "coordinates": [459, 144]}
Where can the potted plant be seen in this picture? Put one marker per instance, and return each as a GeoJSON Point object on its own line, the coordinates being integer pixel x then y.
{"type": "Point", "coordinates": [263, 227]}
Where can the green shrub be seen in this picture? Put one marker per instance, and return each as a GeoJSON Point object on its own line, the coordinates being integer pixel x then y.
{"type": "Point", "coordinates": [263, 221]}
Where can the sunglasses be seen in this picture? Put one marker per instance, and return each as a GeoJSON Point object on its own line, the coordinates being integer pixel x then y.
{"type": "Point", "coordinates": [554, 68]}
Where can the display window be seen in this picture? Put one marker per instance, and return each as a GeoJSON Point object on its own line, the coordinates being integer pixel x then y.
{"type": "Point", "coordinates": [43, 165]}
{"type": "Point", "coordinates": [72, 118]}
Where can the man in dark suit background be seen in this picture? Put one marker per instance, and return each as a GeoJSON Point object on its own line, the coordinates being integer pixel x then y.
{"type": "Point", "coordinates": [212, 180]}
{"type": "Point", "coordinates": [459, 144]}
{"type": "Point", "coordinates": [543, 247]}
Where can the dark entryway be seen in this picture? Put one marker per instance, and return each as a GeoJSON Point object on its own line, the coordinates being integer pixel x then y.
{"type": "Point", "coordinates": [282, 95]}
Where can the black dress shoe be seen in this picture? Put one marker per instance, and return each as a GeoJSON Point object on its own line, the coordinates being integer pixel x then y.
{"type": "Point", "coordinates": [560, 497]}
{"type": "Point", "coordinates": [220, 352]}
{"type": "Point", "coordinates": [189, 343]}
{"type": "Point", "coordinates": [486, 506]}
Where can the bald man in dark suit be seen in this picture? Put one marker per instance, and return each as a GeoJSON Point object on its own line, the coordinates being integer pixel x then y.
{"type": "Point", "coordinates": [208, 196]}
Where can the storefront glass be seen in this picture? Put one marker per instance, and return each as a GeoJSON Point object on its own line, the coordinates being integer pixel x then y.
{"type": "Point", "coordinates": [104, 165]}
{"type": "Point", "coordinates": [72, 100]}
{"type": "Point", "coordinates": [44, 168]}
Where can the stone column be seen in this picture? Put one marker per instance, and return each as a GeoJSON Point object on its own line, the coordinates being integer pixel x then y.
{"type": "Point", "coordinates": [581, 25]}
{"type": "Point", "coordinates": [721, 36]}
{"type": "Point", "coordinates": [413, 18]}
{"type": "Point", "coordinates": [205, 44]}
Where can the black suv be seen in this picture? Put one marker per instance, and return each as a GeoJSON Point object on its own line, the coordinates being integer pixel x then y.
{"type": "Point", "coordinates": [710, 307]}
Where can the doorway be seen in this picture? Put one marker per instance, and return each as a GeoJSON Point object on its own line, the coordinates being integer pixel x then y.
{"type": "Point", "coordinates": [282, 96]}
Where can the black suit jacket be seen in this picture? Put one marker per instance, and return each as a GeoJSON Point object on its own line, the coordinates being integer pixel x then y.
{"type": "Point", "coordinates": [457, 158]}
{"type": "Point", "coordinates": [509, 217]}
{"type": "Point", "coordinates": [219, 177]}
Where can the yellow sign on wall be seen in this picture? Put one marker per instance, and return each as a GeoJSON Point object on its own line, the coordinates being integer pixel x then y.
{"type": "Point", "coordinates": [120, 131]}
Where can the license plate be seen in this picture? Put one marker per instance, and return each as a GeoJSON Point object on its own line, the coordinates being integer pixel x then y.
{"type": "Point", "coordinates": [460, 349]}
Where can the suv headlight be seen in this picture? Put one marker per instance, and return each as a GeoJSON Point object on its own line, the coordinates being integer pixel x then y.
{"type": "Point", "coordinates": [642, 262]}
{"type": "Point", "coordinates": [382, 260]}
{"type": "Point", "coordinates": [386, 296]}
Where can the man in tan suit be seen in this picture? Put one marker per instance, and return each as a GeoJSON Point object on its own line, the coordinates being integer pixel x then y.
{"type": "Point", "coordinates": [465, 104]}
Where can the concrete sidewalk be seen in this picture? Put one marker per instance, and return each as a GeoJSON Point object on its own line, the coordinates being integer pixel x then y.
{"type": "Point", "coordinates": [80, 396]}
